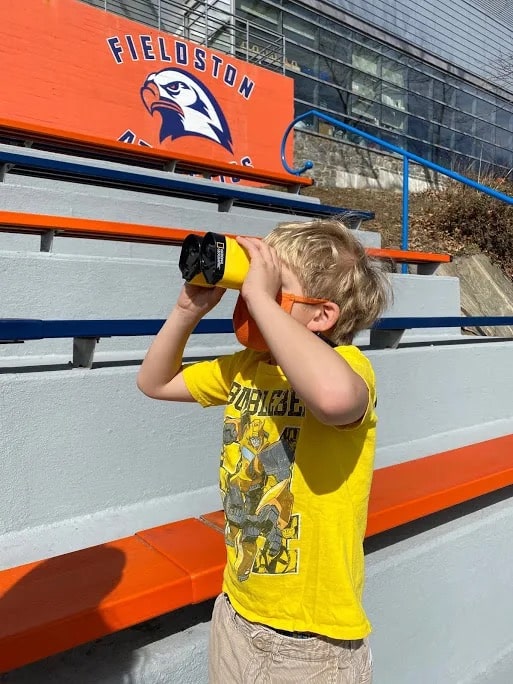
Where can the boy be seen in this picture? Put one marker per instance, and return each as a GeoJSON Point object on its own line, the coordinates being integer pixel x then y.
{"type": "Point", "coordinates": [297, 457]}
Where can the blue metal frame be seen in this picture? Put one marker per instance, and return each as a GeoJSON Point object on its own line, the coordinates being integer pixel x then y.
{"type": "Point", "coordinates": [407, 157]}
{"type": "Point", "coordinates": [131, 178]}
{"type": "Point", "coordinates": [15, 329]}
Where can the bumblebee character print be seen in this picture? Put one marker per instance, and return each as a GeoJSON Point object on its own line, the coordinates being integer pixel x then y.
{"type": "Point", "coordinates": [256, 472]}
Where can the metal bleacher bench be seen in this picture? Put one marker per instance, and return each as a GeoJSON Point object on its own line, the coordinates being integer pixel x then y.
{"type": "Point", "coordinates": [225, 196]}
{"type": "Point", "coordinates": [49, 226]}
{"type": "Point", "coordinates": [31, 134]}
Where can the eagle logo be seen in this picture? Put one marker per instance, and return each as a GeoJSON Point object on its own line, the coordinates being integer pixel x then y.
{"type": "Point", "coordinates": [186, 107]}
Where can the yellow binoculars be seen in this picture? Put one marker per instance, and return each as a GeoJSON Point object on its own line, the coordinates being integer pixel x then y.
{"type": "Point", "coordinates": [213, 260]}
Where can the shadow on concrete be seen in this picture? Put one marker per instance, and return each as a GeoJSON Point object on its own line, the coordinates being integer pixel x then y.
{"type": "Point", "coordinates": [42, 604]}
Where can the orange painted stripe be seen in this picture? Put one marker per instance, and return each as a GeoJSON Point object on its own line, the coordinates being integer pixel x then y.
{"type": "Point", "coordinates": [55, 604]}
{"type": "Point", "coordinates": [409, 491]}
{"type": "Point", "coordinates": [407, 256]}
{"type": "Point", "coordinates": [70, 226]}
{"type": "Point", "coordinates": [127, 151]}
{"type": "Point", "coordinates": [196, 548]}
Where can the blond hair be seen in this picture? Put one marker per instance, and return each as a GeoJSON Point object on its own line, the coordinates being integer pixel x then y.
{"type": "Point", "coordinates": [330, 263]}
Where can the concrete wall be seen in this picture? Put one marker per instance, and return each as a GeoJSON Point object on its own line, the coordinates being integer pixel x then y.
{"type": "Point", "coordinates": [343, 165]}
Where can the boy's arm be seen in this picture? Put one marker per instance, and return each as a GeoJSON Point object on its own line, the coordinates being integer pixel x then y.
{"type": "Point", "coordinates": [160, 375]}
{"type": "Point", "coordinates": [327, 384]}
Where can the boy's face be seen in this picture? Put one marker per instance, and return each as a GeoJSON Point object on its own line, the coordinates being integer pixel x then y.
{"type": "Point", "coordinates": [303, 313]}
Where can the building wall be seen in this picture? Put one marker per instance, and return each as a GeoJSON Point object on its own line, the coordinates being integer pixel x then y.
{"type": "Point", "coordinates": [468, 33]}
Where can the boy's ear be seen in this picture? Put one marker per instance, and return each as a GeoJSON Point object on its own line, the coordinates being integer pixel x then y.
{"type": "Point", "coordinates": [325, 317]}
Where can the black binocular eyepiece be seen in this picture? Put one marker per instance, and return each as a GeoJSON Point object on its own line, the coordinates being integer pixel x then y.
{"type": "Point", "coordinates": [213, 260]}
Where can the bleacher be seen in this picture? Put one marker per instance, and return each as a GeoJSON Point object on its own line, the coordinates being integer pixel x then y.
{"type": "Point", "coordinates": [106, 284]}
{"type": "Point", "coordinates": [110, 506]}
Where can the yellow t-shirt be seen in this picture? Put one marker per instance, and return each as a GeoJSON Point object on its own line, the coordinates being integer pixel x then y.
{"type": "Point", "coordinates": [295, 495]}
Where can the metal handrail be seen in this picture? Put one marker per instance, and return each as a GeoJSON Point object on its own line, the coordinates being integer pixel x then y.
{"type": "Point", "coordinates": [19, 329]}
{"type": "Point", "coordinates": [407, 157]}
{"type": "Point", "coordinates": [204, 23]}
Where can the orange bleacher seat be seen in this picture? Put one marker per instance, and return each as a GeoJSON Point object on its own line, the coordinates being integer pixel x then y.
{"type": "Point", "coordinates": [68, 226]}
{"type": "Point", "coordinates": [68, 141]}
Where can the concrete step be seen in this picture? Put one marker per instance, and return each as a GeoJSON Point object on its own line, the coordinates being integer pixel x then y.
{"type": "Point", "coordinates": [144, 463]}
{"type": "Point", "coordinates": [64, 286]}
{"type": "Point", "coordinates": [62, 198]}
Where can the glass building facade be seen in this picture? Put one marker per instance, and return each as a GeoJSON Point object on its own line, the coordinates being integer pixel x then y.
{"type": "Point", "coordinates": [384, 89]}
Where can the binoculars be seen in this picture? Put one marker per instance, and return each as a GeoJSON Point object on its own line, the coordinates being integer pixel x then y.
{"type": "Point", "coordinates": [213, 260]}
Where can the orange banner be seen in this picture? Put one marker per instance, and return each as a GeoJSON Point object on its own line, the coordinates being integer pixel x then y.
{"type": "Point", "coordinates": [82, 70]}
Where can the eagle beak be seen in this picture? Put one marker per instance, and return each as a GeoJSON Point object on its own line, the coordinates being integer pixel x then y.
{"type": "Point", "coordinates": [152, 100]}
{"type": "Point", "coordinates": [150, 96]}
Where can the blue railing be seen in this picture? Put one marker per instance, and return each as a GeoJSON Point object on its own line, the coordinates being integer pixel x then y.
{"type": "Point", "coordinates": [385, 333]}
{"type": "Point", "coordinates": [407, 157]}
{"type": "Point", "coordinates": [161, 181]}
{"type": "Point", "coordinates": [14, 329]}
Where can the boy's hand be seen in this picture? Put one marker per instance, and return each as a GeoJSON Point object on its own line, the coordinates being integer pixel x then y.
{"type": "Point", "coordinates": [196, 301]}
{"type": "Point", "coordinates": [264, 275]}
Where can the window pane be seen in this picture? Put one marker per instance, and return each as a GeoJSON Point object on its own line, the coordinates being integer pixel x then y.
{"type": "Point", "coordinates": [419, 106]}
{"type": "Point", "coordinates": [333, 99]}
{"type": "Point", "coordinates": [393, 72]}
{"type": "Point", "coordinates": [393, 97]}
{"type": "Point", "coordinates": [443, 92]}
{"type": "Point", "coordinates": [365, 60]}
{"type": "Point", "coordinates": [391, 118]}
{"type": "Point", "coordinates": [484, 130]}
{"type": "Point", "coordinates": [393, 138]}
{"type": "Point", "coordinates": [334, 46]}
{"type": "Point", "coordinates": [310, 123]}
{"type": "Point", "coordinates": [504, 138]}
{"type": "Point", "coordinates": [364, 109]}
{"type": "Point", "coordinates": [299, 59]}
{"type": "Point", "coordinates": [419, 128]}
{"type": "Point", "coordinates": [365, 86]}
{"type": "Point", "coordinates": [259, 11]}
{"type": "Point", "coordinates": [442, 157]}
{"type": "Point", "coordinates": [336, 73]}
{"type": "Point", "coordinates": [464, 102]}
{"type": "Point", "coordinates": [463, 122]}
{"type": "Point", "coordinates": [421, 149]}
{"type": "Point", "coordinates": [447, 117]}
{"type": "Point", "coordinates": [304, 88]}
{"type": "Point", "coordinates": [419, 83]}
{"type": "Point", "coordinates": [464, 144]}
{"type": "Point", "coordinates": [485, 110]}
{"type": "Point", "coordinates": [445, 137]}
{"type": "Point", "coordinates": [301, 11]}
{"type": "Point", "coordinates": [504, 118]}
{"type": "Point", "coordinates": [485, 152]}
{"type": "Point", "coordinates": [299, 30]}
{"type": "Point", "coordinates": [504, 157]}
{"type": "Point", "coordinates": [357, 139]}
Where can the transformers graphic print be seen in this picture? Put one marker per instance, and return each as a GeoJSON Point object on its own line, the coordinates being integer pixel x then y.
{"type": "Point", "coordinates": [256, 471]}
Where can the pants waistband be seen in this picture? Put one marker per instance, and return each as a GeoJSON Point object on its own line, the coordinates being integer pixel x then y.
{"type": "Point", "coordinates": [284, 632]}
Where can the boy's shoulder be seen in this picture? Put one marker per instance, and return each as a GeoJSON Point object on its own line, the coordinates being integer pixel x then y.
{"type": "Point", "coordinates": [354, 356]}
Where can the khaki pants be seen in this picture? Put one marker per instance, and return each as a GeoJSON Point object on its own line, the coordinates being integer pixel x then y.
{"type": "Point", "coordinates": [243, 652]}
